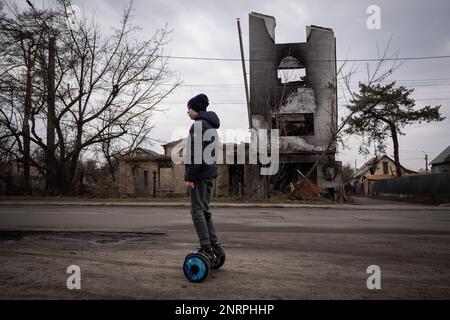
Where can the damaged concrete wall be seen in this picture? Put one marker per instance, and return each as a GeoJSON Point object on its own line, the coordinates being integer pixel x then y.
{"type": "Point", "coordinates": [135, 177]}
{"type": "Point", "coordinates": [263, 55]}
{"type": "Point", "coordinates": [316, 94]}
{"type": "Point", "coordinates": [290, 106]}
{"type": "Point", "coordinates": [301, 100]}
{"type": "Point", "coordinates": [321, 75]}
{"type": "Point", "coordinates": [169, 174]}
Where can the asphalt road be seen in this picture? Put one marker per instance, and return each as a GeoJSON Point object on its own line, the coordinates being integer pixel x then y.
{"type": "Point", "coordinates": [272, 253]}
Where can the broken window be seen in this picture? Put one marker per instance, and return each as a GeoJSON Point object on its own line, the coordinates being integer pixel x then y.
{"type": "Point", "coordinates": [290, 70]}
{"type": "Point", "coordinates": [291, 75]}
{"type": "Point", "coordinates": [146, 178]}
{"type": "Point", "coordinates": [297, 124]}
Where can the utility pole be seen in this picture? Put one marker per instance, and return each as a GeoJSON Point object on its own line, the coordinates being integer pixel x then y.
{"type": "Point", "coordinates": [426, 163]}
{"type": "Point", "coordinates": [245, 73]}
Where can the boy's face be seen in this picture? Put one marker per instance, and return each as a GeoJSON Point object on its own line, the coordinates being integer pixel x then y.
{"type": "Point", "coordinates": [192, 113]}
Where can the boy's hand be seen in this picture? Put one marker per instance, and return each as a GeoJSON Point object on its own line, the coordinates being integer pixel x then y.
{"type": "Point", "coordinates": [190, 184]}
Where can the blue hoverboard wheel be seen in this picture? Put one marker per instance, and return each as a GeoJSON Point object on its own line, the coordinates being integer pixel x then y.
{"type": "Point", "coordinates": [196, 267]}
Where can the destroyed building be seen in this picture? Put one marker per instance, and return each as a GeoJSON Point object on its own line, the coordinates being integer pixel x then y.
{"type": "Point", "coordinates": [293, 89]}
{"type": "Point", "coordinates": [146, 173]}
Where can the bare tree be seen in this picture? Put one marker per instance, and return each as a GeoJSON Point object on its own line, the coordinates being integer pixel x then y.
{"type": "Point", "coordinates": [137, 135]}
{"type": "Point", "coordinates": [21, 36]}
{"type": "Point", "coordinates": [105, 91]}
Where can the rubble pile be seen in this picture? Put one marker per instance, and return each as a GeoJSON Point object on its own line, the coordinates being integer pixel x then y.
{"type": "Point", "coordinates": [304, 190]}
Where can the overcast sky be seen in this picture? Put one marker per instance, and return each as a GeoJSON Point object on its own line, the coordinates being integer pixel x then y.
{"type": "Point", "coordinates": [205, 28]}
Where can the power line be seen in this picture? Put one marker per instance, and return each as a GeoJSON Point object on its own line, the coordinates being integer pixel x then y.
{"type": "Point", "coordinates": [212, 102]}
{"type": "Point", "coordinates": [421, 82]}
{"type": "Point", "coordinates": [322, 60]}
{"type": "Point", "coordinates": [244, 103]}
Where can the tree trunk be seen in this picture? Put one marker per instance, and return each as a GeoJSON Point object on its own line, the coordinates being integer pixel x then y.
{"type": "Point", "coordinates": [50, 156]}
{"type": "Point", "coordinates": [71, 172]}
{"type": "Point", "coordinates": [111, 169]}
{"type": "Point", "coordinates": [398, 167]}
{"type": "Point", "coordinates": [60, 176]}
{"type": "Point", "coordinates": [66, 178]}
{"type": "Point", "coordinates": [26, 128]}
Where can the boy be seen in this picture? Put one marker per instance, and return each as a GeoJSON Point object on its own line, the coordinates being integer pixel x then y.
{"type": "Point", "coordinates": [199, 173]}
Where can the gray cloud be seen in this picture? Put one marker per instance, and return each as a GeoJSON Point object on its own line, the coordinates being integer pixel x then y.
{"type": "Point", "coordinates": [208, 29]}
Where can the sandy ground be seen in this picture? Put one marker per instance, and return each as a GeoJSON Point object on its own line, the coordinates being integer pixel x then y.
{"type": "Point", "coordinates": [271, 253]}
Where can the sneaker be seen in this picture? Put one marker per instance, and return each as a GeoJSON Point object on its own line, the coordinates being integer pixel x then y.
{"type": "Point", "coordinates": [208, 251]}
{"type": "Point", "coordinates": [216, 246]}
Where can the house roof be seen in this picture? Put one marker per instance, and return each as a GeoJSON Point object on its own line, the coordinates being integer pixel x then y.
{"type": "Point", "coordinates": [148, 151]}
{"type": "Point", "coordinates": [363, 168]}
{"type": "Point", "coordinates": [128, 158]}
{"type": "Point", "coordinates": [172, 142]}
{"type": "Point", "coordinates": [381, 177]}
{"type": "Point", "coordinates": [443, 157]}
{"type": "Point", "coordinates": [368, 164]}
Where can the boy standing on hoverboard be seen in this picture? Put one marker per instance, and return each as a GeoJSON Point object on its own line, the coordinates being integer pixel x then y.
{"type": "Point", "coordinates": [201, 170]}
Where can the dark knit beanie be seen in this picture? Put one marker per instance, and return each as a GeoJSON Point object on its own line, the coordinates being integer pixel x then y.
{"type": "Point", "coordinates": [199, 102]}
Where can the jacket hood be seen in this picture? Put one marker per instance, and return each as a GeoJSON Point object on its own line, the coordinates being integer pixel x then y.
{"type": "Point", "coordinates": [209, 116]}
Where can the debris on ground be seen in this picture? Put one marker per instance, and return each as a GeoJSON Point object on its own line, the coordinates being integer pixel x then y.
{"type": "Point", "coordinates": [304, 190]}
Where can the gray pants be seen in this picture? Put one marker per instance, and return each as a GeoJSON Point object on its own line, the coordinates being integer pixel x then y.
{"type": "Point", "coordinates": [201, 216]}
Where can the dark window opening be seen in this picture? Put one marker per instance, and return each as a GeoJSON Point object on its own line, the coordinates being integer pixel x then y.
{"type": "Point", "coordinates": [295, 124]}
{"type": "Point", "coordinates": [146, 178]}
{"type": "Point", "coordinates": [135, 171]}
{"type": "Point", "coordinates": [236, 180]}
{"type": "Point", "coordinates": [385, 168]}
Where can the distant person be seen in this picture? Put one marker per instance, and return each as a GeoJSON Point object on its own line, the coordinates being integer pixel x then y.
{"type": "Point", "coordinates": [200, 174]}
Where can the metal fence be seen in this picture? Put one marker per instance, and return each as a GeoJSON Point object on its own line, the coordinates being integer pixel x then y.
{"type": "Point", "coordinates": [430, 186]}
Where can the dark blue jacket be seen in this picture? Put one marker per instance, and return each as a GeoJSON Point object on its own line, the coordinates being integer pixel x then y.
{"type": "Point", "coordinates": [201, 171]}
